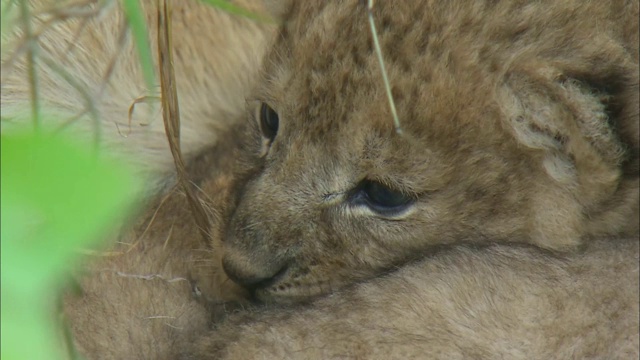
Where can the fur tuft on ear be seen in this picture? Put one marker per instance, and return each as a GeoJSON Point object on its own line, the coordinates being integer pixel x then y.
{"type": "Point", "coordinates": [279, 9]}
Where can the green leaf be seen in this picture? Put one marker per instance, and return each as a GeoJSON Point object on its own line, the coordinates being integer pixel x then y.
{"type": "Point", "coordinates": [55, 198]}
{"type": "Point", "coordinates": [237, 10]}
{"type": "Point", "coordinates": [138, 24]}
{"type": "Point", "coordinates": [6, 16]}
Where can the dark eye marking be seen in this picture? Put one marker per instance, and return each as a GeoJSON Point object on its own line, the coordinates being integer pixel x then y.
{"type": "Point", "coordinates": [269, 121]}
{"type": "Point", "coordinates": [380, 198]}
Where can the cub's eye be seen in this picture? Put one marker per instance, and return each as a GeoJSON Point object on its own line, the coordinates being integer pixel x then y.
{"type": "Point", "coordinates": [381, 199]}
{"type": "Point", "coordinates": [269, 121]}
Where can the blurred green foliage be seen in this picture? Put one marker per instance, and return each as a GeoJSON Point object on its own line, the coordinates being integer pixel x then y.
{"type": "Point", "coordinates": [55, 199]}
{"type": "Point", "coordinates": [135, 17]}
{"type": "Point", "coordinates": [58, 197]}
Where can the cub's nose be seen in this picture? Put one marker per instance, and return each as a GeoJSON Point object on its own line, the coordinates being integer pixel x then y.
{"type": "Point", "coordinates": [251, 274]}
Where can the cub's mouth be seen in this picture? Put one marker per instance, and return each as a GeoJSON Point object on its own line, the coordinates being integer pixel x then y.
{"type": "Point", "coordinates": [287, 290]}
{"type": "Point", "coordinates": [259, 291]}
{"type": "Point", "coordinates": [288, 285]}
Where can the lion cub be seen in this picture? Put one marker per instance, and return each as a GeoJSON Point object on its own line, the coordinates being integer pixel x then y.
{"type": "Point", "coordinates": [519, 123]}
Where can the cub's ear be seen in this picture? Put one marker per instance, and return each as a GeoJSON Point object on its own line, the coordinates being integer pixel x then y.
{"type": "Point", "coordinates": [583, 124]}
{"type": "Point", "coordinates": [581, 120]}
{"type": "Point", "coordinates": [628, 125]}
{"type": "Point", "coordinates": [279, 9]}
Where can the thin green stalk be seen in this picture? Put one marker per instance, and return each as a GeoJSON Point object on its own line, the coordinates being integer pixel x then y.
{"type": "Point", "coordinates": [25, 17]}
{"type": "Point", "coordinates": [237, 10]}
{"type": "Point", "coordinates": [138, 24]}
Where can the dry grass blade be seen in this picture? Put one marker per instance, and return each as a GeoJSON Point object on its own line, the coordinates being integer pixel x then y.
{"type": "Point", "coordinates": [132, 107]}
{"type": "Point", "coordinates": [171, 115]}
{"type": "Point", "coordinates": [385, 78]}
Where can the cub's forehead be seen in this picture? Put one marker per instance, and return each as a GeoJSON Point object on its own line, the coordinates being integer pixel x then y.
{"type": "Point", "coordinates": [323, 75]}
{"type": "Point", "coordinates": [323, 66]}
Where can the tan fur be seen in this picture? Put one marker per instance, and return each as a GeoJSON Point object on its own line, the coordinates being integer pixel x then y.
{"type": "Point", "coordinates": [498, 302]}
{"type": "Point", "coordinates": [519, 124]}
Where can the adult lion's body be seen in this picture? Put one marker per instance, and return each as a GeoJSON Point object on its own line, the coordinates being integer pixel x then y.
{"type": "Point", "coordinates": [89, 75]}
{"type": "Point", "coordinates": [501, 222]}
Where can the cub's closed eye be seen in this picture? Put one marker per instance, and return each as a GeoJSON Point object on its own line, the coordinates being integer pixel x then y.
{"type": "Point", "coordinates": [380, 198]}
{"type": "Point", "coordinates": [269, 121]}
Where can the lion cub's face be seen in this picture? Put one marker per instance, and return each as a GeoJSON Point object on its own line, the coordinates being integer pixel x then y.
{"type": "Point", "coordinates": [497, 142]}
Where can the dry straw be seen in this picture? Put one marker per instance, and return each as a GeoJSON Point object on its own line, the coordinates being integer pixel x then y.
{"type": "Point", "coordinates": [171, 116]}
{"type": "Point", "coordinates": [383, 70]}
